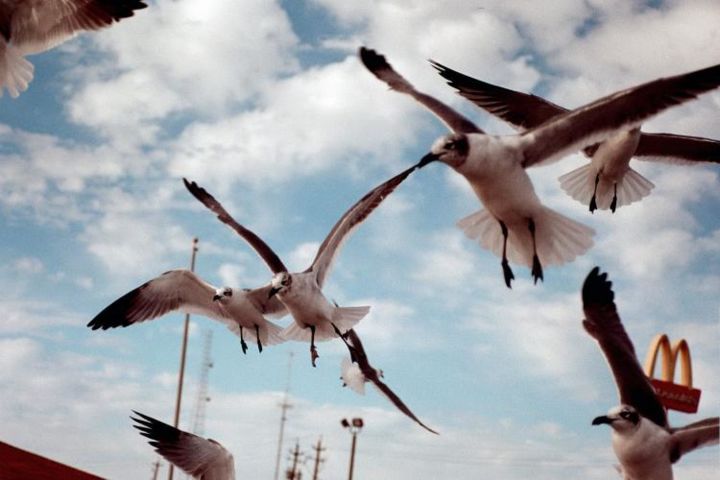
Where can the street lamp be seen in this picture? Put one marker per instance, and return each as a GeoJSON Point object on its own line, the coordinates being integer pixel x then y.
{"type": "Point", "coordinates": [354, 426]}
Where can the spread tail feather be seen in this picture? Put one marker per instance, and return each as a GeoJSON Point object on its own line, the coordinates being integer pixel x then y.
{"type": "Point", "coordinates": [344, 319]}
{"type": "Point", "coordinates": [558, 238]}
{"type": "Point", "coordinates": [15, 71]}
{"type": "Point", "coordinates": [580, 184]}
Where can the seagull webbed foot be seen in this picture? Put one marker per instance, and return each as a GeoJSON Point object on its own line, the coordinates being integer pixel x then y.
{"type": "Point", "coordinates": [507, 272]}
{"type": "Point", "coordinates": [537, 272]}
{"type": "Point", "coordinates": [313, 355]}
{"type": "Point", "coordinates": [244, 346]}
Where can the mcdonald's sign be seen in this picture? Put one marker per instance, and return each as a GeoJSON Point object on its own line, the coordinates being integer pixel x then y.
{"type": "Point", "coordinates": [682, 397]}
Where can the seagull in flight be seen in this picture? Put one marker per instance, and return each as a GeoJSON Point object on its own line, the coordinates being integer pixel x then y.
{"type": "Point", "coordinates": [201, 458]}
{"type": "Point", "coordinates": [530, 233]}
{"type": "Point", "coordinates": [241, 310]}
{"type": "Point", "coordinates": [607, 181]}
{"type": "Point", "coordinates": [357, 371]}
{"type": "Point", "coordinates": [34, 26]}
{"type": "Point", "coordinates": [301, 292]}
{"type": "Point", "coordinates": [642, 439]}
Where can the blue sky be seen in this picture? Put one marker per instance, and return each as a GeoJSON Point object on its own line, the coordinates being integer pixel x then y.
{"type": "Point", "coordinates": [266, 105]}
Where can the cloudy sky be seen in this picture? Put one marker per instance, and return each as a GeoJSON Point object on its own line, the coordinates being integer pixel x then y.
{"type": "Point", "coordinates": [265, 103]}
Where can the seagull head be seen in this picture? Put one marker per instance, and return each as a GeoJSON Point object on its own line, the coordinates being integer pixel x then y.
{"type": "Point", "coordinates": [279, 282]}
{"type": "Point", "coordinates": [451, 149]}
{"type": "Point", "coordinates": [221, 293]}
{"type": "Point", "coordinates": [621, 418]}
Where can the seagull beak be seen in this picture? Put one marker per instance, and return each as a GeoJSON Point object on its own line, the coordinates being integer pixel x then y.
{"type": "Point", "coordinates": [272, 292]}
{"type": "Point", "coordinates": [430, 157]}
{"type": "Point", "coordinates": [602, 419]}
{"type": "Point", "coordinates": [216, 297]}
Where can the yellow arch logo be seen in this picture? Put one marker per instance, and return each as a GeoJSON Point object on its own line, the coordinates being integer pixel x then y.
{"type": "Point", "coordinates": [682, 396]}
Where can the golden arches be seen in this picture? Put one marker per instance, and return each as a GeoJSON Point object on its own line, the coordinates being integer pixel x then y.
{"type": "Point", "coordinates": [661, 343]}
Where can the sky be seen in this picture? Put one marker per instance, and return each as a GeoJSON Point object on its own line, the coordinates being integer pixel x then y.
{"type": "Point", "coordinates": [266, 104]}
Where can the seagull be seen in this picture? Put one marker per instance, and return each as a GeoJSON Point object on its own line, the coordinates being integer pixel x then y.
{"type": "Point", "coordinates": [530, 233]}
{"type": "Point", "coordinates": [201, 458]}
{"type": "Point", "coordinates": [241, 310]}
{"type": "Point", "coordinates": [642, 439]}
{"type": "Point", "coordinates": [607, 182]}
{"type": "Point", "coordinates": [34, 26]}
{"type": "Point", "coordinates": [301, 292]}
{"type": "Point", "coordinates": [357, 371]}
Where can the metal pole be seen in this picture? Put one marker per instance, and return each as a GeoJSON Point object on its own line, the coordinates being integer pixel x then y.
{"type": "Point", "coordinates": [183, 352]}
{"type": "Point", "coordinates": [352, 455]}
{"type": "Point", "coordinates": [284, 406]}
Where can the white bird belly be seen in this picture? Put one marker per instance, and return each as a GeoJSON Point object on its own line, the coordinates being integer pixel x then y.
{"type": "Point", "coordinates": [612, 157]}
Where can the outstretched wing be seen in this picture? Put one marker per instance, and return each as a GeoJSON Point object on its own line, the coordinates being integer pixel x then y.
{"type": "Point", "coordinates": [693, 436]}
{"type": "Point", "coordinates": [623, 110]}
{"type": "Point", "coordinates": [378, 66]}
{"type": "Point", "coordinates": [667, 147]}
{"type": "Point", "coordinates": [173, 290]}
{"type": "Point", "coordinates": [521, 110]}
{"type": "Point", "coordinates": [38, 26]}
{"type": "Point", "coordinates": [350, 220]}
{"type": "Point", "coordinates": [357, 352]}
{"type": "Point", "coordinates": [197, 456]}
{"type": "Point", "coordinates": [604, 325]}
{"type": "Point", "coordinates": [266, 253]}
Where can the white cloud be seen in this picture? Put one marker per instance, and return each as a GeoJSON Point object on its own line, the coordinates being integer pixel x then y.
{"type": "Point", "coordinates": [28, 265]}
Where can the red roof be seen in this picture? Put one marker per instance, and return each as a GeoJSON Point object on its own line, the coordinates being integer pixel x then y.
{"type": "Point", "coordinates": [17, 464]}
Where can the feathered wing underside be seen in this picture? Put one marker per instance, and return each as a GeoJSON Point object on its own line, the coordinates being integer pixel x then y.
{"type": "Point", "coordinates": [399, 404]}
{"type": "Point", "coordinates": [691, 437]}
{"type": "Point", "coordinates": [580, 185]}
{"type": "Point", "coordinates": [38, 26]}
{"type": "Point", "coordinates": [194, 455]}
{"type": "Point", "coordinates": [173, 290]}
{"type": "Point", "coordinates": [379, 66]}
{"type": "Point", "coordinates": [626, 109]}
{"type": "Point", "coordinates": [264, 303]}
{"type": "Point", "coordinates": [351, 219]}
{"type": "Point", "coordinates": [263, 250]}
{"type": "Point", "coordinates": [558, 238]}
{"type": "Point", "coordinates": [667, 147]}
{"type": "Point", "coordinates": [604, 325]}
{"type": "Point", "coordinates": [521, 110]}
{"type": "Point", "coordinates": [16, 73]}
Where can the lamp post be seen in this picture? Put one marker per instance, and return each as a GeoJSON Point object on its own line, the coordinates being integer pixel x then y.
{"type": "Point", "coordinates": [354, 426]}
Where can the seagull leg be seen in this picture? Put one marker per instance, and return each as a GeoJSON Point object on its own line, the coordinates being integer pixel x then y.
{"type": "Point", "coordinates": [242, 342]}
{"type": "Point", "coordinates": [507, 272]}
{"type": "Point", "coordinates": [537, 272]}
{"type": "Point", "coordinates": [613, 204]}
{"type": "Point", "coordinates": [313, 351]}
{"type": "Point", "coordinates": [257, 335]}
{"type": "Point", "coordinates": [593, 203]}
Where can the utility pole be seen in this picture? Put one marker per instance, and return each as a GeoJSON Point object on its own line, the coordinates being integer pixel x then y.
{"type": "Point", "coordinates": [156, 467]}
{"type": "Point", "coordinates": [284, 406]}
{"type": "Point", "coordinates": [202, 397]}
{"type": "Point", "coordinates": [354, 426]}
{"type": "Point", "coordinates": [318, 453]}
{"type": "Point", "coordinates": [293, 473]}
{"type": "Point", "coordinates": [183, 352]}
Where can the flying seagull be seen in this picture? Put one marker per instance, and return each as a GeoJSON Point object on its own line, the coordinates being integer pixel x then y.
{"type": "Point", "coordinates": [528, 232]}
{"type": "Point", "coordinates": [358, 371]}
{"type": "Point", "coordinates": [201, 458]}
{"type": "Point", "coordinates": [607, 182]}
{"type": "Point", "coordinates": [644, 443]}
{"type": "Point", "coordinates": [301, 292]}
{"type": "Point", "coordinates": [34, 26]}
{"type": "Point", "coordinates": [241, 310]}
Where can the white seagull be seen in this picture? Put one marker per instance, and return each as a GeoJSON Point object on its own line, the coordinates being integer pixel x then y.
{"type": "Point", "coordinates": [357, 371]}
{"type": "Point", "coordinates": [301, 292]}
{"type": "Point", "coordinates": [34, 26]}
{"type": "Point", "coordinates": [241, 310]}
{"type": "Point", "coordinates": [201, 458]}
{"type": "Point", "coordinates": [528, 232]}
{"type": "Point", "coordinates": [607, 182]}
{"type": "Point", "coordinates": [644, 443]}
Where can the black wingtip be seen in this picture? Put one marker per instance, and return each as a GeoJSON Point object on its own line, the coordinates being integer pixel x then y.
{"type": "Point", "coordinates": [597, 289]}
{"type": "Point", "coordinates": [372, 60]}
